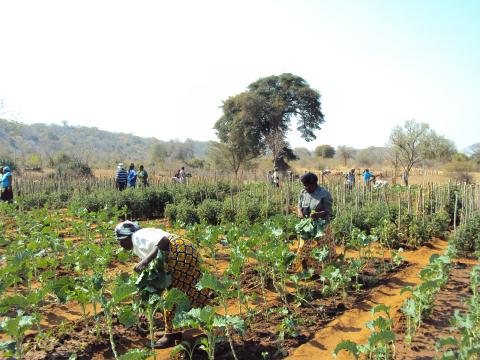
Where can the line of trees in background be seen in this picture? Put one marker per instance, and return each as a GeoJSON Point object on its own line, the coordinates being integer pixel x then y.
{"type": "Point", "coordinates": [256, 123]}
{"type": "Point", "coordinates": [251, 131]}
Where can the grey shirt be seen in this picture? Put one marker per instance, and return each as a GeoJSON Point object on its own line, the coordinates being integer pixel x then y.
{"type": "Point", "coordinates": [320, 199]}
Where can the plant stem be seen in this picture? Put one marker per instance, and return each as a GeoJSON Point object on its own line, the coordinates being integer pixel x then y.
{"type": "Point", "coordinates": [110, 332]}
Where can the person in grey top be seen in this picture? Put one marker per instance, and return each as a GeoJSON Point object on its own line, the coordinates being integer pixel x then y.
{"type": "Point", "coordinates": [314, 197]}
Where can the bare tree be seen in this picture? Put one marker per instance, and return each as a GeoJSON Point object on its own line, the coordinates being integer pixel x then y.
{"type": "Point", "coordinates": [345, 153]}
{"type": "Point", "coordinates": [416, 142]}
{"type": "Point", "coordinates": [227, 156]}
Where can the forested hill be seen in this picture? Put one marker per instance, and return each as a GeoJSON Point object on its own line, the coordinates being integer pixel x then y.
{"type": "Point", "coordinates": [40, 144]}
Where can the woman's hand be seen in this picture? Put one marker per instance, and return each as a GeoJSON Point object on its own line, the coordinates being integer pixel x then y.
{"type": "Point", "coordinates": [300, 213]}
{"type": "Point", "coordinates": [140, 267]}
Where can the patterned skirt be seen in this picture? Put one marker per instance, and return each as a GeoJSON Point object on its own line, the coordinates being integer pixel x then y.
{"type": "Point", "coordinates": [183, 263]}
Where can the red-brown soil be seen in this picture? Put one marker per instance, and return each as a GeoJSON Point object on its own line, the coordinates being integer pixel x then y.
{"type": "Point", "coordinates": [262, 336]}
{"type": "Point", "coordinates": [351, 324]}
{"type": "Point", "coordinates": [437, 325]}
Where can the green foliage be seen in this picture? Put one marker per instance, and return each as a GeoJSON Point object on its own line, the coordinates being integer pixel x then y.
{"type": "Point", "coordinates": [380, 342]}
{"type": "Point", "coordinates": [148, 202]}
{"type": "Point", "coordinates": [348, 346]}
{"type": "Point", "coordinates": [467, 237]}
{"type": "Point", "coordinates": [438, 224]}
{"type": "Point", "coordinates": [171, 212]}
{"type": "Point", "coordinates": [210, 211]}
{"type": "Point", "coordinates": [186, 212]}
{"type": "Point", "coordinates": [228, 212]}
{"type": "Point", "coordinates": [210, 323]}
{"type": "Point", "coordinates": [310, 229]}
{"type": "Point", "coordinates": [467, 324]}
{"type": "Point", "coordinates": [251, 120]}
{"type": "Point", "coordinates": [154, 279]}
{"type": "Point", "coordinates": [248, 212]}
{"type": "Point", "coordinates": [16, 327]}
{"type": "Point", "coordinates": [136, 354]}
{"type": "Point", "coordinates": [419, 304]}
{"type": "Point", "coordinates": [418, 232]}
{"type": "Point", "coordinates": [325, 151]}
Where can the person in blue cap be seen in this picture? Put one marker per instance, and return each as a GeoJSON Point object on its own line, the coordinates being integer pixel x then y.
{"type": "Point", "coordinates": [6, 185]}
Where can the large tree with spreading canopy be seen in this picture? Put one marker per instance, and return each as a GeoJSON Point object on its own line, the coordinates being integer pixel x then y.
{"type": "Point", "coordinates": [266, 111]}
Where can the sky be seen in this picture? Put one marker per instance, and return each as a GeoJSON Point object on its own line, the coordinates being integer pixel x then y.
{"type": "Point", "coordinates": [163, 68]}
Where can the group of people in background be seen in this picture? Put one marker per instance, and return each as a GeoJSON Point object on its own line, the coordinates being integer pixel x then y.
{"type": "Point", "coordinates": [6, 184]}
{"type": "Point", "coordinates": [180, 175]}
{"type": "Point", "coordinates": [124, 178]}
{"type": "Point", "coordinates": [369, 179]}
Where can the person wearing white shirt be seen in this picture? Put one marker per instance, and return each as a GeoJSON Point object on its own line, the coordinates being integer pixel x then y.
{"type": "Point", "coordinates": [181, 261]}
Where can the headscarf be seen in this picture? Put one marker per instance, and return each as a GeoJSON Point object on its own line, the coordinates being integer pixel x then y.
{"type": "Point", "coordinates": [125, 229]}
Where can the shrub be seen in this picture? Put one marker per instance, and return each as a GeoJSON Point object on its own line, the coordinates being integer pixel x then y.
{"type": "Point", "coordinates": [467, 236]}
{"type": "Point", "coordinates": [140, 203]}
{"type": "Point", "coordinates": [417, 233]}
{"type": "Point", "coordinates": [171, 212]}
{"type": "Point", "coordinates": [186, 212]}
{"type": "Point", "coordinates": [450, 206]}
{"type": "Point", "coordinates": [249, 212]}
{"type": "Point", "coordinates": [387, 233]}
{"type": "Point", "coordinates": [438, 224]}
{"type": "Point", "coordinates": [210, 210]}
{"type": "Point", "coordinates": [228, 212]}
{"type": "Point", "coordinates": [342, 226]}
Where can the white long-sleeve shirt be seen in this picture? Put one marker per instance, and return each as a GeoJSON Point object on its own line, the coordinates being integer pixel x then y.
{"type": "Point", "coordinates": [145, 240]}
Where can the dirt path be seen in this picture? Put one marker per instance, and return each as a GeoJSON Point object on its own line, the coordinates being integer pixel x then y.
{"type": "Point", "coordinates": [437, 325]}
{"type": "Point", "coordinates": [351, 324]}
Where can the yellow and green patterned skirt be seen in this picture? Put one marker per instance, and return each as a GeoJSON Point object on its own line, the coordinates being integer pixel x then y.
{"type": "Point", "coordinates": [183, 263]}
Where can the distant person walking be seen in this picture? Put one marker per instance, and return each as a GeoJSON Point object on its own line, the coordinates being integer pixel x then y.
{"type": "Point", "coordinates": [182, 175]}
{"type": "Point", "coordinates": [270, 177]}
{"type": "Point", "coordinates": [132, 176]}
{"type": "Point", "coordinates": [6, 185]}
{"type": "Point", "coordinates": [405, 177]}
{"type": "Point", "coordinates": [176, 177]}
{"type": "Point", "coordinates": [143, 176]}
{"type": "Point", "coordinates": [276, 178]}
{"type": "Point", "coordinates": [121, 177]}
{"type": "Point", "coordinates": [350, 179]}
{"type": "Point", "coordinates": [367, 178]}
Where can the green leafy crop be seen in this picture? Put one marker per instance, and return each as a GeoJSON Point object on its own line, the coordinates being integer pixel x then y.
{"type": "Point", "coordinates": [310, 229]}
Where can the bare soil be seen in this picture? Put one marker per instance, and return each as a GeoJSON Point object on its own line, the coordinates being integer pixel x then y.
{"type": "Point", "coordinates": [437, 325]}
{"type": "Point", "coordinates": [262, 337]}
{"type": "Point", "coordinates": [351, 324]}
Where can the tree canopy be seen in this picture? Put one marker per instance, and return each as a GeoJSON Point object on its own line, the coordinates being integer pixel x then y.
{"type": "Point", "coordinates": [415, 142]}
{"type": "Point", "coordinates": [266, 111]}
{"type": "Point", "coordinates": [325, 151]}
{"type": "Point", "coordinates": [474, 151]}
